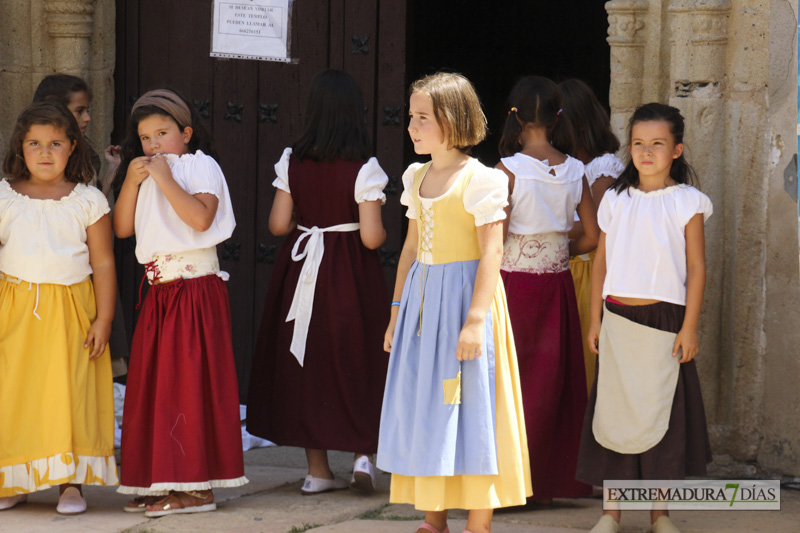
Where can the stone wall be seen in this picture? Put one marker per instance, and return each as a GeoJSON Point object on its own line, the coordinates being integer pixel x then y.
{"type": "Point", "coordinates": [41, 37]}
{"type": "Point", "coordinates": [730, 66]}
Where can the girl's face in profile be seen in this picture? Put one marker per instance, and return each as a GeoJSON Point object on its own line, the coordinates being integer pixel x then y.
{"type": "Point", "coordinates": [159, 134]}
{"type": "Point", "coordinates": [46, 150]}
{"type": "Point", "coordinates": [423, 129]}
{"type": "Point", "coordinates": [79, 107]}
{"type": "Point", "coordinates": [653, 148]}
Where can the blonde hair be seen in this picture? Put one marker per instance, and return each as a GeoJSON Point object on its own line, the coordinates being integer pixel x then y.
{"type": "Point", "coordinates": [456, 108]}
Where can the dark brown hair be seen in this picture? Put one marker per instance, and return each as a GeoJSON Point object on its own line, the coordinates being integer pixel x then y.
{"type": "Point", "coordinates": [58, 87]}
{"type": "Point", "coordinates": [533, 100]}
{"type": "Point", "coordinates": [589, 123]}
{"type": "Point", "coordinates": [680, 171]}
{"type": "Point", "coordinates": [335, 125]}
{"type": "Point", "coordinates": [456, 108]}
{"type": "Point", "coordinates": [79, 166]}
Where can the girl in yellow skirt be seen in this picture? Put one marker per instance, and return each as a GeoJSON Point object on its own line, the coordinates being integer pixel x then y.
{"type": "Point", "coordinates": [57, 296]}
{"type": "Point", "coordinates": [452, 431]}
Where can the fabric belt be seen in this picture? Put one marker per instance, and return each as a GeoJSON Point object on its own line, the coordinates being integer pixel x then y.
{"type": "Point", "coordinates": [303, 300]}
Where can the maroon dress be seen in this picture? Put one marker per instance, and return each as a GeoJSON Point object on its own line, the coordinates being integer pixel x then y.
{"type": "Point", "coordinates": [333, 401]}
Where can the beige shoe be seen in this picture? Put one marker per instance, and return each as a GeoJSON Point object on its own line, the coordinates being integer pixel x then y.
{"type": "Point", "coordinates": [10, 501]}
{"type": "Point", "coordinates": [606, 524]}
{"type": "Point", "coordinates": [71, 501]}
{"type": "Point", "coordinates": [664, 525]}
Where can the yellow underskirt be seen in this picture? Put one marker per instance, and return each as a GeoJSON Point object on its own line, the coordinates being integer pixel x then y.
{"type": "Point", "coordinates": [512, 485]}
{"type": "Point", "coordinates": [582, 277]}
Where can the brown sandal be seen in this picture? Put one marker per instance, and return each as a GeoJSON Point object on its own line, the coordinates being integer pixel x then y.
{"type": "Point", "coordinates": [139, 503]}
{"type": "Point", "coordinates": [182, 502]}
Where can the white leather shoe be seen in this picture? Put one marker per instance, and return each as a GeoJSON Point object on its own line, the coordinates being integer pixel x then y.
{"type": "Point", "coordinates": [11, 501]}
{"type": "Point", "coordinates": [315, 485]}
{"type": "Point", "coordinates": [363, 475]}
{"type": "Point", "coordinates": [606, 524]}
{"type": "Point", "coordinates": [71, 502]}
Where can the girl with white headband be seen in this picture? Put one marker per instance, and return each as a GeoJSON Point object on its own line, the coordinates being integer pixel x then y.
{"type": "Point", "coordinates": [318, 369]}
{"type": "Point", "coordinates": [180, 428]}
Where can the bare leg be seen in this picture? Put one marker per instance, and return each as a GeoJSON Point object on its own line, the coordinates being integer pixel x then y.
{"type": "Point", "coordinates": [437, 519]}
{"type": "Point", "coordinates": [318, 463]}
{"type": "Point", "coordinates": [655, 513]}
{"type": "Point", "coordinates": [480, 521]}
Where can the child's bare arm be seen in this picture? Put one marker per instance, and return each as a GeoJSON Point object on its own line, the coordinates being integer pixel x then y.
{"type": "Point", "coordinates": [281, 217]}
{"type": "Point", "coordinates": [369, 216]}
{"type": "Point", "coordinates": [587, 212]}
{"type": "Point", "coordinates": [125, 208]}
{"type": "Point", "coordinates": [596, 301]}
{"type": "Point", "coordinates": [507, 209]}
{"type": "Point", "coordinates": [407, 256]}
{"type": "Point", "coordinates": [687, 339]}
{"type": "Point", "coordinates": [196, 210]}
{"type": "Point", "coordinates": [490, 239]}
{"type": "Point", "coordinates": [104, 278]}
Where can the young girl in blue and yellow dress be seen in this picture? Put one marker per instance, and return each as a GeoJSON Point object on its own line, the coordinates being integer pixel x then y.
{"type": "Point", "coordinates": [319, 368]}
{"type": "Point", "coordinates": [57, 293]}
{"type": "Point", "coordinates": [452, 431]}
{"type": "Point", "coordinates": [181, 436]}
{"type": "Point", "coordinates": [547, 189]}
{"type": "Point", "coordinates": [645, 418]}
{"type": "Point", "coordinates": [589, 139]}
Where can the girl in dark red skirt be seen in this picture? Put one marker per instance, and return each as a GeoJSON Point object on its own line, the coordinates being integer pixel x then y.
{"type": "Point", "coordinates": [180, 427]}
{"type": "Point", "coordinates": [319, 369]}
{"type": "Point", "coordinates": [645, 418]}
{"type": "Point", "coordinates": [546, 188]}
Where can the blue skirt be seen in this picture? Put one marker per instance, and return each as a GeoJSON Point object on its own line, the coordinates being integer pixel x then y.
{"type": "Point", "coordinates": [421, 434]}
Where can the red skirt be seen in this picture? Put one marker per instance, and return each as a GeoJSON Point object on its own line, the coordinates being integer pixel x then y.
{"type": "Point", "coordinates": [547, 334]}
{"type": "Point", "coordinates": [180, 427]}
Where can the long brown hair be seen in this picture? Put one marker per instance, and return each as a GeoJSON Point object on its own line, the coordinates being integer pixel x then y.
{"type": "Point", "coordinates": [79, 167]}
{"type": "Point", "coordinates": [589, 123]}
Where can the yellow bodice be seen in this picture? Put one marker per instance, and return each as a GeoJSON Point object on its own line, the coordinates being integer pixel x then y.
{"type": "Point", "coordinates": [446, 231]}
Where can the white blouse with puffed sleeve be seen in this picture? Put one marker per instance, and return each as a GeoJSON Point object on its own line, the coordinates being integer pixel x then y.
{"type": "Point", "coordinates": [605, 165]}
{"type": "Point", "coordinates": [44, 241]}
{"type": "Point", "coordinates": [407, 198]}
{"type": "Point", "coordinates": [486, 194]}
{"type": "Point", "coordinates": [646, 240]}
{"type": "Point", "coordinates": [545, 196]}
{"type": "Point", "coordinates": [159, 229]}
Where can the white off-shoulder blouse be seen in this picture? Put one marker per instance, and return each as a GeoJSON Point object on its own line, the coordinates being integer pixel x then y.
{"type": "Point", "coordinates": [485, 196]}
{"type": "Point", "coordinates": [646, 240]}
{"type": "Point", "coordinates": [44, 241]}
{"type": "Point", "coordinates": [159, 229]}
{"type": "Point", "coordinates": [370, 182]}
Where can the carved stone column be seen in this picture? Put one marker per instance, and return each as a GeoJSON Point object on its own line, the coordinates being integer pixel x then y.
{"type": "Point", "coordinates": [70, 23]}
{"type": "Point", "coordinates": [626, 39]}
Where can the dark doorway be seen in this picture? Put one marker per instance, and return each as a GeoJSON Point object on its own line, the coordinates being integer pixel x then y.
{"type": "Point", "coordinates": [495, 43]}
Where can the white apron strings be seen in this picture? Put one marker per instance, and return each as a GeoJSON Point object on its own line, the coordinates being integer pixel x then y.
{"type": "Point", "coordinates": [303, 300]}
{"type": "Point", "coordinates": [636, 383]}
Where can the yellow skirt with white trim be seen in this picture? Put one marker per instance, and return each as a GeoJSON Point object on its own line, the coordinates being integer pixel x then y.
{"type": "Point", "coordinates": [581, 268]}
{"type": "Point", "coordinates": [58, 407]}
{"type": "Point", "coordinates": [512, 484]}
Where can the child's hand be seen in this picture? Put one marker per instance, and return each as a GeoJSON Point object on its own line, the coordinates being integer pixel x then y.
{"type": "Point", "coordinates": [470, 340]}
{"type": "Point", "coordinates": [687, 343]}
{"type": "Point", "coordinates": [159, 168]}
{"type": "Point", "coordinates": [388, 337]}
{"type": "Point", "coordinates": [593, 337]}
{"type": "Point", "coordinates": [112, 155]}
{"type": "Point", "coordinates": [97, 338]}
{"type": "Point", "coordinates": [138, 170]}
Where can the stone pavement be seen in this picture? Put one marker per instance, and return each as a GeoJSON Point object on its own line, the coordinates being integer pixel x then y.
{"type": "Point", "coordinates": [271, 503]}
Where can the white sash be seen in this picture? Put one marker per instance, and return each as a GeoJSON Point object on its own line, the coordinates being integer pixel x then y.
{"type": "Point", "coordinates": [303, 300]}
{"type": "Point", "coordinates": [635, 385]}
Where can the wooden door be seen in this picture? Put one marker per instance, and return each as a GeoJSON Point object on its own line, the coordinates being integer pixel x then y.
{"type": "Point", "coordinates": [253, 110]}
